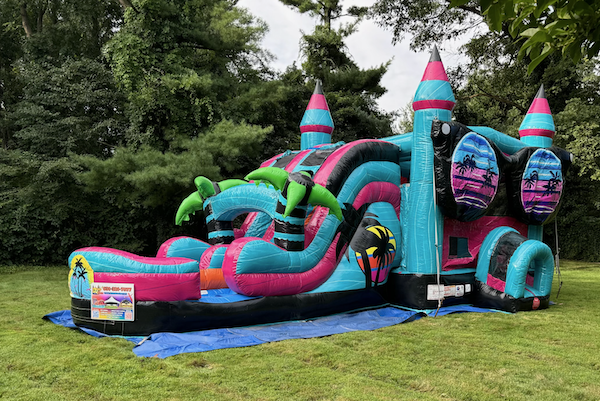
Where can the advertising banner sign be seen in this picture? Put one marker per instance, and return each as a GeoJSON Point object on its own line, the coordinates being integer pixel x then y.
{"type": "Point", "coordinates": [112, 301]}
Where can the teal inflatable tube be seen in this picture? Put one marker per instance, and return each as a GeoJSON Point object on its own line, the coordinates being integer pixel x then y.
{"type": "Point", "coordinates": [229, 204]}
{"type": "Point", "coordinates": [528, 256]}
{"type": "Point", "coordinates": [530, 253]}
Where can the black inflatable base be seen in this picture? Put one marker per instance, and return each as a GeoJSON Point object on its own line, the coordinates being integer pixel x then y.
{"type": "Point", "coordinates": [488, 297]}
{"type": "Point", "coordinates": [410, 290]}
{"type": "Point", "coordinates": [184, 316]}
{"type": "Point", "coordinates": [406, 290]}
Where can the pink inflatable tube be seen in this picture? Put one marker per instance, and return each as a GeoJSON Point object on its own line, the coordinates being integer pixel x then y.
{"type": "Point", "coordinates": [273, 284]}
{"type": "Point", "coordinates": [379, 191]}
{"type": "Point", "coordinates": [154, 279]}
{"type": "Point", "coordinates": [283, 283]}
{"type": "Point", "coordinates": [332, 161]}
{"type": "Point", "coordinates": [373, 192]}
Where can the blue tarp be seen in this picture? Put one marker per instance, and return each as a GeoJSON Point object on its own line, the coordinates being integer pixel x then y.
{"type": "Point", "coordinates": [222, 296]}
{"type": "Point", "coordinates": [162, 345]}
{"type": "Point", "coordinates": [63, 318]}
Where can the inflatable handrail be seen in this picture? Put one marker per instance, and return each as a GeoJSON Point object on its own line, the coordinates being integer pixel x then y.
{"type": "Point", "coordinates": [236, 201]}
{"type": "Point", "coordinates": [530, 253]}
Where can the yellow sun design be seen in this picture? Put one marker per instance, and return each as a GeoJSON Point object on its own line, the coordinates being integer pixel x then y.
{"type": "Point", "coordinates": [80, 268]}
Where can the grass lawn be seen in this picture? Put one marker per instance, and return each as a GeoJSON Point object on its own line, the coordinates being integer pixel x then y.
{"type": "Point", "coordinates": [544, 355]}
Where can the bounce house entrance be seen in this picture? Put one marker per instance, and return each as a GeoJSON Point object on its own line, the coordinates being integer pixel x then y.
{"type": "Point", "coordinates": [518, 273]}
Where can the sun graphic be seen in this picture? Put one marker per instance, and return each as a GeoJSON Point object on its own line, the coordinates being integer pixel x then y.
{"type": "Point", "coordinates": [81, 277]}
{"type": "Point", "coordinates": [377, 254]}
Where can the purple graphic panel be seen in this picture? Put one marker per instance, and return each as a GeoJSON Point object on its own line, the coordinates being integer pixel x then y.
{"type": "Point", "coordinates": [541, 185]}
{"type": "Point", "coordinates": [474, 174]}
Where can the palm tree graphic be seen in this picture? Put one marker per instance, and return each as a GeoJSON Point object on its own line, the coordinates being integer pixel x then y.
{"type": "Point", "coordinates": [488, 176]}
{"type": "Point", "coordinates": [79, 272]}
{"type": "Point", "coordinates": [552, 183]}
{"type": "Point", "coordinates": [533, 177]}
{"type": "Point", "coordinates": [384, 252]}
{"type": "Point", "coordinates": [468, 163]}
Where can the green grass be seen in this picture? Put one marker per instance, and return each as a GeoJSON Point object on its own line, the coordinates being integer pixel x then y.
{"type": "Point", "coordinates": [544, 355]}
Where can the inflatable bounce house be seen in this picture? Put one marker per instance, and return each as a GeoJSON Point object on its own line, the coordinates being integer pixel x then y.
{"type": "Point", "coordinates": [446, 214]}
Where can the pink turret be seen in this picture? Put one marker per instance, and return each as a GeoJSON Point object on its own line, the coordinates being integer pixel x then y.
{"type": "Point", "coordinates": [537, 128]}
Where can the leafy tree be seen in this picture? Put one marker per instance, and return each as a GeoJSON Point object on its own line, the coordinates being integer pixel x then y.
{"type": "Point", "coordinates": [351, 92]}
{"type": "Point", "coordinates": [46, 212]}
{"type": "Point", "coordinates": [279, 103]}
{"type": "Point", "coordinates": [66, 28]}
{"type": "Point", "coordinates": [105, 122]}
{"type": "Point", "coordinates": [152, 178]}
{"type": "Point", "coordinates": [58, 99]}
{"type": "Point", "coordinates": [178, 62]}
{"type": "Point", "coordinates": [38, 36]}
{"type": "Point", "coordinates": [62, 111]}
{"type": "Point", "coordinates": [29, 223]}
{"type": "Point", "coordinates": [10, 43]}
{"type": "Point", "coordinates": [581, 133]}
{"type": "Point", "coordinates": [571, 27]}
{"type": "Point", "coordinates": [426, 21]}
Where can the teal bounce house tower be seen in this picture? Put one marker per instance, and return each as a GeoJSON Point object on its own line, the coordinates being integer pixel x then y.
{"type": "Point", "coordinates": [446, 214]}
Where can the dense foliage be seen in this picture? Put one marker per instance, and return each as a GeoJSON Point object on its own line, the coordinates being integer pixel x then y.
{"type": "Point", "coordinates": [108, 112]}
{"type": "Point", "coordinates": [571, 27]}
{"type": "Point", "coordinates": [109, 109]}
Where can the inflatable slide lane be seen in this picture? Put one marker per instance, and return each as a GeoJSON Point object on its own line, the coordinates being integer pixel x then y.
{"type": "Point", "coordinates": [319, 238]}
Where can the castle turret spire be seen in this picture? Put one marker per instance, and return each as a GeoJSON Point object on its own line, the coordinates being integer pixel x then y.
{"type": "Point", "coordinates": [434, 91]}
{"type": "Point", "coordinates": [537, 128]}
{"type": "Point", "coordinates": [316, 125]}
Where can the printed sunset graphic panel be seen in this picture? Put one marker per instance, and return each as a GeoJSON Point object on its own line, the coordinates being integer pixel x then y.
{"type": "Point", "coordinates": [474, 174]}
{"type": "Point", "coordinates": [542, 185]}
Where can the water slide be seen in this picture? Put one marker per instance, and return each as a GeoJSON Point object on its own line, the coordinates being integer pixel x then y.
{"type": "Point", "coordinates": [293, 253]}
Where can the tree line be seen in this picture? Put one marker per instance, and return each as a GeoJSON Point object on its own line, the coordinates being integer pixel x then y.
{"type": "Point", "coordinates": [109, 109]}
